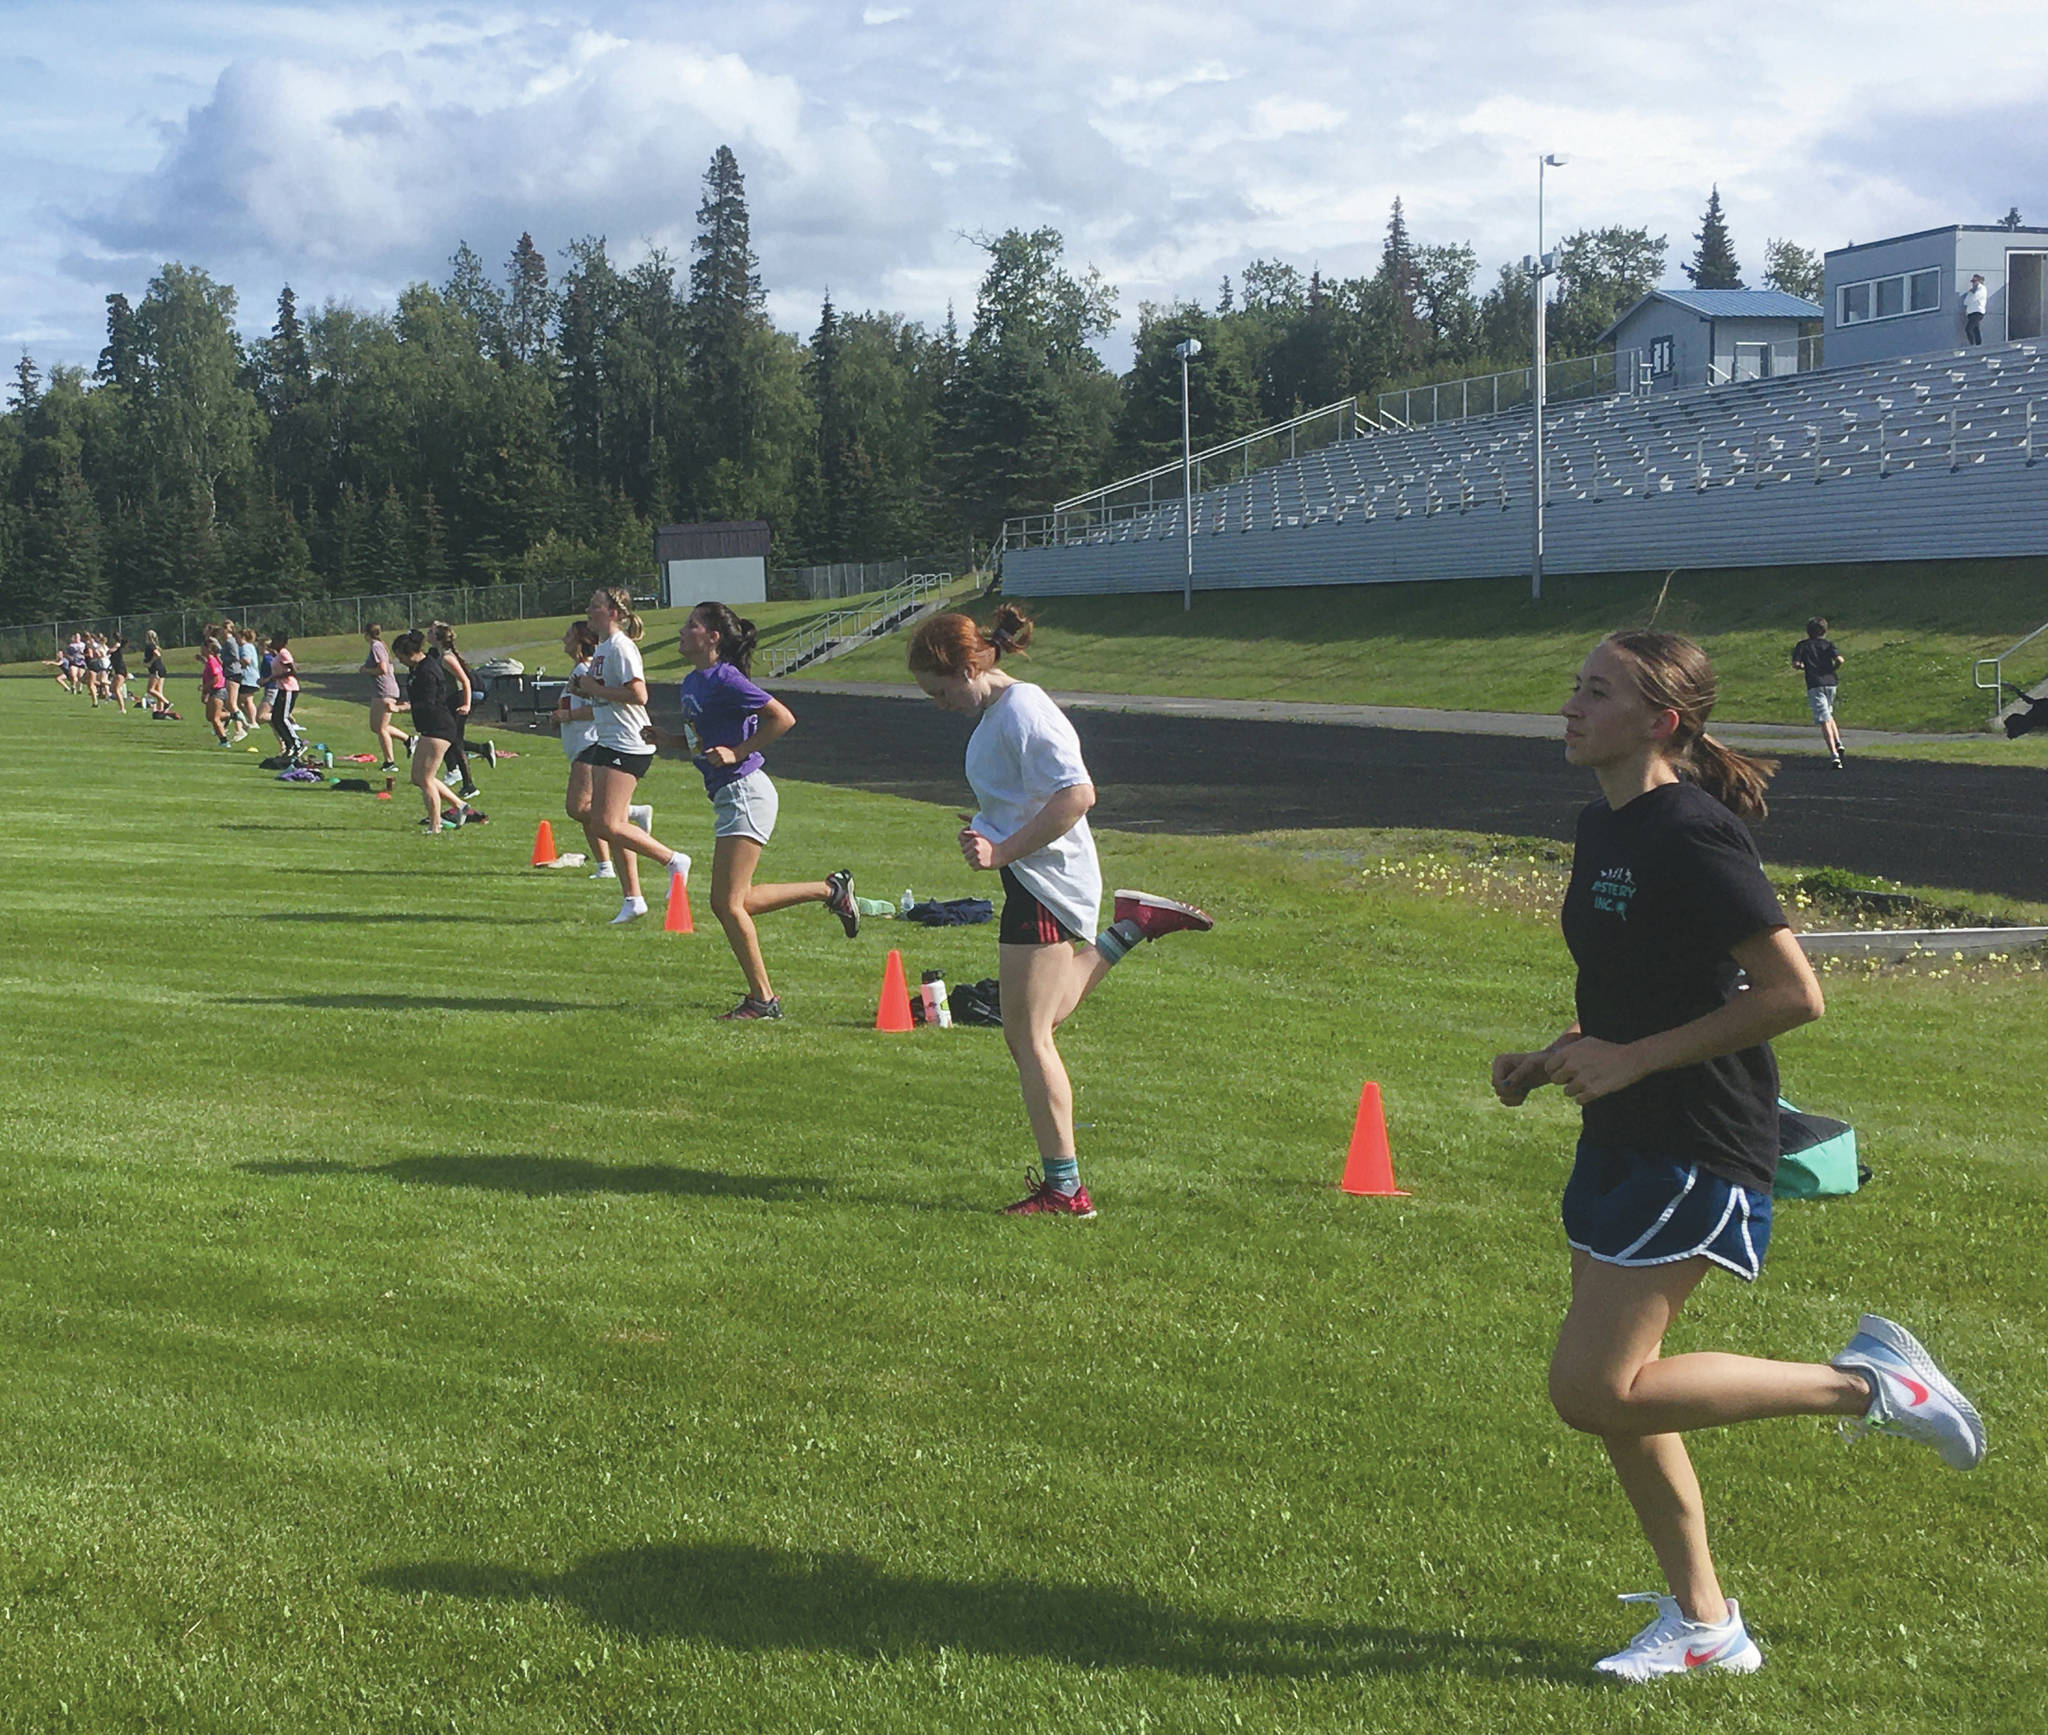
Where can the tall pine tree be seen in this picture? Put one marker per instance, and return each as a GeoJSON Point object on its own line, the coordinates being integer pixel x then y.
{"type": "Point", "coordinates": [726, 303]}
{"type": "Point", "coordinates": [1713, 266]}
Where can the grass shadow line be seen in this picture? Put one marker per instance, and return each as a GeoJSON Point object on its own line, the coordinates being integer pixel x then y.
{"type": "Point", "coordinates": [411, 1003]}
{"type": "Point", "coordinates": [536, 1176]}
{"type": "Point", "coordinates": [750, 1599]}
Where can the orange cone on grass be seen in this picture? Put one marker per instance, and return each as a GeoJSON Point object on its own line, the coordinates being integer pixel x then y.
{"type": "Point", "coordinates": [1369, 1168]}
{"type": "Point", "coordinates": [677, 920]}
{"type": "Point", "coordinates": [894, 1011]}
{"type": "Point", "coordinates": [543, 845]}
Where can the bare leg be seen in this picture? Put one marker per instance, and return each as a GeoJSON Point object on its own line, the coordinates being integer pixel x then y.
{"type": "Point", "coordinates": [733, 860]}
{"type": "Point", "coordinates": [426, 760]}
{"type": "Point", "coordinates": [577, 805]}
{"type": "Point", "coordinates": [1041, 986]}
{"type": "Point", "coordinates": [1609, 1377]}
{"type": "Point", "coordinates": [611, 794]}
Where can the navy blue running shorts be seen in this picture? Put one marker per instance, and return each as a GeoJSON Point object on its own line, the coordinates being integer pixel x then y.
{"type": "Point", "coordinates": [1627, 1207]}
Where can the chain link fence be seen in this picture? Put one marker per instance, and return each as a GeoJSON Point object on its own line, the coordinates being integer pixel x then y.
{"type": "Point", "coordinates": [858, 578]}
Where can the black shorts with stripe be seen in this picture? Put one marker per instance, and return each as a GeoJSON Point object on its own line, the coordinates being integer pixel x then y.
{"type": "Point", "coordinates": [1027, 922]}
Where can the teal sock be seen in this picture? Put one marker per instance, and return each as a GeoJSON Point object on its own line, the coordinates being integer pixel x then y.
{"type": "Point", "coordinates": [1117, 939]}
{"type": "Point", "coordinates": [1063, 1174]}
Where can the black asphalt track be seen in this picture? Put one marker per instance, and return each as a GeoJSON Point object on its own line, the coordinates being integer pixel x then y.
{"type": "Point", "coordinates": [1970, 827]}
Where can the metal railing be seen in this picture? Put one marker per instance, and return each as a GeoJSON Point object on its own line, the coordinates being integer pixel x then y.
{"type": "Point", "coordinates": [858, 578]}
{"type": "Point", "coordinates": [1996, 685]}
{"type": "Point", "coordinates": [305, 617]}
{"type": "Point", "coordinates": [1140, 495]}
{"type": "Point", "coordinates": [844, 628]}
{"type": "Point", "coordinates": [1606, 374]}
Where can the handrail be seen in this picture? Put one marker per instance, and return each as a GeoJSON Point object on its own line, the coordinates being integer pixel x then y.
{"type": "Point", "coordinates": [1468, 400]}
{"type": "Point", "coordinates": [1208, 454]}
{"type": "Point", "coordinates": [1996, 685]}
{"type": "Point", "coordinates": [845, 627]}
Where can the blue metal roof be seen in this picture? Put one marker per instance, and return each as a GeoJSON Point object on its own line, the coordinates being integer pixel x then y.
{"type": "Point", "coordinates": [1727, 304]}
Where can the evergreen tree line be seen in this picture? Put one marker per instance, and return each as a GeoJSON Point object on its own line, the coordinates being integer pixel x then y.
{"type": "Point", "coordinates": [538, 425]}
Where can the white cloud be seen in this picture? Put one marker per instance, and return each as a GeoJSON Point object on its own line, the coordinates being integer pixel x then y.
{"type": "Point", "coordinates": [347, 148]}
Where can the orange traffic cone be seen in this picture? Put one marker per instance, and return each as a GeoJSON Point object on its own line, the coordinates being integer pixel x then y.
{"type": "Point", "coordinates": [894, 1011]}
{"type": "Point", "coordinates": [677, 921]}
{"type": "Point", "coordinates": [1369, 1169]}
{"type": "Point", "coordinates": [543, 845]}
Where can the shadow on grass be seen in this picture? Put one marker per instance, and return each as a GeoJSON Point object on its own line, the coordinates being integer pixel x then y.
{"type": "Point", "coordinates": [433, 918]}
{"type": "Point", "coordinates": [410, 1002]}
{"type": "Point", "coordinates": [752, 1599]}
{"type": "Point", "coordinates": [556, 1177]}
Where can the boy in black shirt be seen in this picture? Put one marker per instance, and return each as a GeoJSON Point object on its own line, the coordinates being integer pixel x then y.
{"type": "Point", "coordinates": [1815, 656]}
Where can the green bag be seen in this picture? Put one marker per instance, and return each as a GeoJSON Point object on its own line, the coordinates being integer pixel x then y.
{"type": "Point", "coordinates": [1816, 1156]}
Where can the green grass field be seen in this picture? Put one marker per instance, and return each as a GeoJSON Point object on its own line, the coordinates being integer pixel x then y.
{"type": "Point", "coordinates": [420, 1315]}
{"type": "Point", "coordinates": [1909, 634]}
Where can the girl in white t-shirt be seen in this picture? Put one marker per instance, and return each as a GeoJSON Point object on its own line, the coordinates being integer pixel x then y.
{"type": "Point", "coordinates": [1024, 762]}
{"type": "Point", "coordinates": [614, 685]}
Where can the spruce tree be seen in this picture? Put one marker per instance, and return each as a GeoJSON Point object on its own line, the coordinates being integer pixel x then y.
{"type": "Point", "coordinates": [27, 390]}
{"type": "Point", "coordinates": [120, 362]}
{"type": "Point", "coordinates": [529, 302]}
{"type": "Point", "coordinates": [726, 302]}
{"type": "Point", "coordinates": [1714, 266]}
{"type": "Point", "coordinates": [481, 302]}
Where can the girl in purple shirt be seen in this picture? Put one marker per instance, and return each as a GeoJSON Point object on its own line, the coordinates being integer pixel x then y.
{"type": "Point", "coordinates": [733, 720]}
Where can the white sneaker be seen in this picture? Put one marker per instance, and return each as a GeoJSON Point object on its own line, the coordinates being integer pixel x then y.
{"type": "Point", "coordinates": [640, 814]}
{"type": "Point", "coordinates": [1910, 1397]}
{"type": "Point", "coordinates": [679, 865]}
{"type": "Point", "coordinates": [605, 871]}
{"type": "Point", "coordinates": [1673, 1645]}
{"type": "Point", "coordinates": [630, 911]}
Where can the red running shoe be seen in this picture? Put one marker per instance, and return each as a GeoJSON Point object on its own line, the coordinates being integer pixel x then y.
{"type": "Point", "coordinates": [1043, 1201]}
{"type": "Point", "coordinates": [1156, 916]}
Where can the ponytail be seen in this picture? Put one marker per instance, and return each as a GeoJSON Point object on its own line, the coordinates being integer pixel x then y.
{"type": "Point", "coordinates": [736, 637]}
{"type": "Point", "coordinates": [1673, 674]}
{"type": "Point", "coordinates": [954, 644]}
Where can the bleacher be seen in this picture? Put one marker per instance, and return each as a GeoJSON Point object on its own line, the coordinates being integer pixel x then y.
{"type": "Point", "coordinates": [1929, 458]}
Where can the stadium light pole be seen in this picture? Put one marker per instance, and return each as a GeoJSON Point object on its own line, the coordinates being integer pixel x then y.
{"type": "Point", "coordinates": [1540, 268]}
{"type": "Point", "coordinates": [1187, 350]}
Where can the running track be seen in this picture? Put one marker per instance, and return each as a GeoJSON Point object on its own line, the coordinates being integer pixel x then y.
{"type": "Point", "coordinates": [1975, 828]}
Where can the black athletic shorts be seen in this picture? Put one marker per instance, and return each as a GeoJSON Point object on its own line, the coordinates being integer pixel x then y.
{"type": "Point", "coordinates": [632, 764]}
{"type": "Point", "coordinates": [1027, 922]}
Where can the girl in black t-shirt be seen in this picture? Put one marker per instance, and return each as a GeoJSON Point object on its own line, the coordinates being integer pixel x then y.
{"type": "Point", "coordinates": [433, 721]}
{"type": "Point", "coordinates": [1672, 1067]}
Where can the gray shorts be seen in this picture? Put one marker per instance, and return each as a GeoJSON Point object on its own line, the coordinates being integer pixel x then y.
{"type": "Point", "coordinates": [746, 808]}
{"type": "Point", "coordinates": [1821, 700]}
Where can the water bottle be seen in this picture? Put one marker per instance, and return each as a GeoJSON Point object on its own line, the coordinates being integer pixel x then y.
{"type": "Point", "coordinates": [328, 755]}
{"type": "Point", "coordinates": [906, 903]}
{"type": "Point", "coordinates": [936, 1011]}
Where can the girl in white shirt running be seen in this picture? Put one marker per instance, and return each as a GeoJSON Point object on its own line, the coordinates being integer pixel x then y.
{"type": "Point", "coordinates": [1024, 762]}
{"type": "Point", "coordinates": [614, 685]}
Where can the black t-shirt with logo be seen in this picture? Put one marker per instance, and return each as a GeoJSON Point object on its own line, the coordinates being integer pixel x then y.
{"type": "Point", "coordinates": [1660, 893]}
{"type": "Point", "coordinates": [1818, 658]}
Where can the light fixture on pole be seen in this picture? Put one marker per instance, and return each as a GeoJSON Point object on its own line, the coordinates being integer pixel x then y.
{"type": "Point", "coordinates": [1187, 350]}
{"type": "Point", "coordinates": [1540, 268]}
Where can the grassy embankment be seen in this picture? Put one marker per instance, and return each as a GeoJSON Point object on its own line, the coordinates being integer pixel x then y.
{"type": "Point", "coordinates": [1909, 633]}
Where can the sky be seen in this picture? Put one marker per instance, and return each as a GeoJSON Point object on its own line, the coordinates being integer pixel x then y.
{"type": "Point", "coordinates": [347, 148]}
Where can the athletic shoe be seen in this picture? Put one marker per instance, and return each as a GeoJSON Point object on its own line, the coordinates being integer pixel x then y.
{"type": "Point", "coordinates": [630, 911]}
{"type": "Point", "coordinates": [839, 900]}
{"type": "Point", "coordinates": [1673, 1645]}
{"type": "Point", "coordinates": [388, 768]}
{"type": "Point", "coordinates": [489, 750]}
{"type": "Point", "coordinates": [410, 742]}
{"type": "Point", "coordinates": [640, 814]}
{"type": "Point", "coordinates": [469, 792]}
{"type": "Point", "coordinates": [605, 871]}
{"type": "Point", "coordinates": [679, 866]}
{"type": "Point", "coordinates": [1837, 762]}
{"type": "Point", "coordinates": [750, 1008]}
{"type": "Point", "coordinates": [1044, 1201]}
{"type": "Point", "coordinates": [1910, 1397]}
{"type": "Point", "coordinates": [458, 819]}
{"type": "Point", "coordinates": [1157, 916]}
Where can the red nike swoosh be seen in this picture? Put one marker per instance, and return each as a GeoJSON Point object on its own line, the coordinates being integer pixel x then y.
{"type": "Point", "coordinates": [1693, 1659]}
{"type": "Point", "coordinates": [1919, 1391]}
